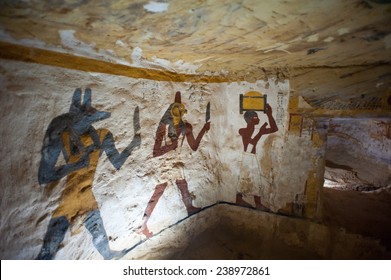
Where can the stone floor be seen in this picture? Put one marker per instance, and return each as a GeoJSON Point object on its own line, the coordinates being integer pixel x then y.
{"type": "Point", "coordinates": [365, 213]}
{"type": "Point", "coordinates": [354, 225]}
{"type": "Point", "coordinates": [356, 214]}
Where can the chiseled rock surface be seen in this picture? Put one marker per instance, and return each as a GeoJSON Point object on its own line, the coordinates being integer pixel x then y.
{"type": "Point", "coordinates": [358, 154]}
{"type": "Point", "coordinates": [321, 47]}
{"type": "Point", "coordinates": [203, 35]}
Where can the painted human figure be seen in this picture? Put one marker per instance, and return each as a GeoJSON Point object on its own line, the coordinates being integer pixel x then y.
{"type": "Point", "coordinates": [73, 135]}
{"type": "Point", "coordinates": [251, 181]}
{"type": "Point", "coordinates": [169, 153]}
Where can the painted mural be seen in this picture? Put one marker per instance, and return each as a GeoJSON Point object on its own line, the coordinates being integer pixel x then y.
{"type": "Point", "coordinates": [251, 180]}
{"type": "Point", "coordinates": [96, 206]}
{"type": "Point", "coordinates": [81, 145]}
{"type": "Point", "coordinates": [171, 133]}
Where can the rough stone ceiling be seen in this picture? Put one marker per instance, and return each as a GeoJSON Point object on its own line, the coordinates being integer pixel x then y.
{"type": "Point", "coordinates": [309, 40]}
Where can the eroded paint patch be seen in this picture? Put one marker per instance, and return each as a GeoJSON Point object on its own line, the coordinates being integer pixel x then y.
{"type": "Point", "coordinates": [343, 31]}
{"type": "Point", "coordinates": [156, 7]}
{"type": "Point", "coordinates": [69, 40]}
{"type": "Point", "coordinates": [313, 38]}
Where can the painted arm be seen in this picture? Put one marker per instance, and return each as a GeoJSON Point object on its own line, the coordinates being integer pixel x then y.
{"type": "Point", "coordinates": [273, 126]}
{"type": "Point", "coordinates": [264, 129]}
{"type": "Point", "coordinates": [53, 145]}
{"type": "Point", "coordinates": [116, 158]}
{"type": "Point", "coordinates": [195, 142]}
{"type": "Point", "coordinates": [160, 149]}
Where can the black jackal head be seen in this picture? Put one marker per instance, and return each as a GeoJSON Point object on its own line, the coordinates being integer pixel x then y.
{"type": "Point", "coordinates": [82, 113]}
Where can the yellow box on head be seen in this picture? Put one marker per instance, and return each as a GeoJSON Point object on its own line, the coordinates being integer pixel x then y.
{"type": "Point", "coordinates": [253, 101]}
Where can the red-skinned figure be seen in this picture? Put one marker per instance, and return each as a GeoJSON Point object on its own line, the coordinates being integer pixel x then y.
{"type": "Point", "coordinates": [169, 150]}
{"type": "Point", "coordinates": [251, 179]}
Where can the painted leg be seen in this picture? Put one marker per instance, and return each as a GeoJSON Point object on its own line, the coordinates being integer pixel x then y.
{"type": "Point", "coordinates": [258, 204]}
{"type": "Point", "coordinates": [53, 238]}
{"type": "Point", "coordinates": [186, 197]}
{"type": "Point", "coordinates": [94, 224]}
{"type": "Point", "coordinates": [159, 190]}
{"type": "Point", "coordinates": [240, 200]}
